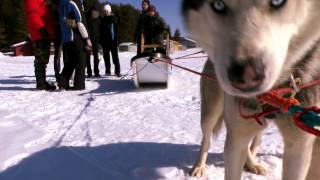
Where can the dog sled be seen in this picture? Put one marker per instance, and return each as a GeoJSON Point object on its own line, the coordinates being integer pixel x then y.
{"type": "Point", "coordinates": [147, 70]}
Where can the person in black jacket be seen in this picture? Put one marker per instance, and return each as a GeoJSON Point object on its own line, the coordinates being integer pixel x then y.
{"type": "Point", "coordinates": [93, 21]}
{"type": "Point", "coordinates": [145, 4]}
{"type": "Point", "coordinates": [109, 40]}
{"type": "Point", "coordinates": [154, 27]}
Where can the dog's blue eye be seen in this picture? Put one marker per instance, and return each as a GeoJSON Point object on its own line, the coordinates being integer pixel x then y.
{"type": "Point", "coordinates": [277, 3]}
{"type": "Point", "coordinates": [218, 6]}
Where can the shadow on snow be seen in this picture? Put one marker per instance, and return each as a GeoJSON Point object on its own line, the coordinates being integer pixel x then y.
{"type": "Point", "coordinates": [122, 161]}
{"type": "Point", "coordinates": [106, 86]}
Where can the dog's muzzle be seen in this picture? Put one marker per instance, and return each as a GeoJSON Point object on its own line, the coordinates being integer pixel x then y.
{"type": "Point", "coordinates": [246, 75]}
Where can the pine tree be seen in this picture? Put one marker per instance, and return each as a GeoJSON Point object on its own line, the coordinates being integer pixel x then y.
{"type": "Point", "coordinates": [12, 23]}
{"type": "Point", "coordinates": [127, 19]}
{"type": "Point", "coordinates": [177, 35]}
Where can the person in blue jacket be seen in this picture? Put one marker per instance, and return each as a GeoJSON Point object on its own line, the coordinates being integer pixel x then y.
{"type": "Point", "coordinates": [76, 42]}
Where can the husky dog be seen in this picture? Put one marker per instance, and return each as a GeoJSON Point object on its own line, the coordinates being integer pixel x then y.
{"type": "Point", "coordinates": [254, 46]}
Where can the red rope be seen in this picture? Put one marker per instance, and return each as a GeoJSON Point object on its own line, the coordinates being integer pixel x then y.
{"type": "Point", "coordinates": [213, 78]}
{"type": "Point", "coordinates": [272, 98]}
{"type": "Point", "coordinates": [188, 55]}
{"type": "Point", "coordinates": [256, 116]}
{"type": "Point", "coordinates": [300, 124]}
{"type": "Point", "coordinates": [282, 91]}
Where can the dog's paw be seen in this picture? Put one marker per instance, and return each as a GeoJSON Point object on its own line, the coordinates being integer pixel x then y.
{"type": "Point", "coordinates": [256, 169]}
{"type": "Point", "coordinates": [198, 171]}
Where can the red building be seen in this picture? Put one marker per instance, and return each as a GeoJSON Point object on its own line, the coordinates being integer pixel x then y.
{"type": "Point", "coordinates": [23, 49]}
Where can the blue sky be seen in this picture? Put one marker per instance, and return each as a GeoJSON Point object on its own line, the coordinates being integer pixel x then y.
{"type": "Point", "coordinates": [168, 9]}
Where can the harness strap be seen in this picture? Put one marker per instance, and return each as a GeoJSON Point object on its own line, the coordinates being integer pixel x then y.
{"type": "Point", "coordinates": [213, 78]}
{"type": "Point", "coordinates": [188, 55]}
{"type": "Point", "coordinates": [307, 119]}
{"type": "Point", "coordinates": [257, 116]}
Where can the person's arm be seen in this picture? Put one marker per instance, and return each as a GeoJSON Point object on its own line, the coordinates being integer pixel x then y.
{"type": "Point", "coordinates": [82, 29]}
{"type": "Point", "coordinates": [115, 29]}
{"type": "Point", "coordinates": [78, 19]}
{"type": "Point", "coordinates": [163, 24]}
{"type": "Point", "coordinates": [143, 25]}
{"type": "Point", "coordinates": [137, 33]}
{"type": "Point", "coordinates": [32, 14]}
{"type": "Point", "coordinates": [101, 33]}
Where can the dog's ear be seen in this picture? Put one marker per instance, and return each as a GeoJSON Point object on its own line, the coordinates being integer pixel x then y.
{"type": "Point", "coordinates": [191, 4]}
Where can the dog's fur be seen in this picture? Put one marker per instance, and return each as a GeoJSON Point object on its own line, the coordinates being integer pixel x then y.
{"type": "Point", "coordinates": [282, 41]}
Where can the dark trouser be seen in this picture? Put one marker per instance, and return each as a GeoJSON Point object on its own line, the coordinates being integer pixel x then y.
{"type": "Point", "coordinates": [139, 48]}
{"type": "Point", "coordinates": [42, 53]}
{"type": "Point", "coordinates": [138, 40]}
{"type": "Point", "coordinates": [95, 52]}
{"type": "Point", "coordinates": [75, 55]}
{"type": "Point", "coordinates": [115, 58]}
{"type": "Point", "coordinates": [57, 56]}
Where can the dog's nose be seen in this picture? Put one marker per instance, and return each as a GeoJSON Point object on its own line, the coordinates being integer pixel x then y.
{"type": "Point", "coordinates": [246, 75]}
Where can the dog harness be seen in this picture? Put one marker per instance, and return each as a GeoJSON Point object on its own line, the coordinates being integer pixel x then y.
{"type": "Point", "coordinates": [306, 118]}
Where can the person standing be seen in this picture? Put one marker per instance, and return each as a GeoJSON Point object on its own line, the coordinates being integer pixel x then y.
{"type": "Point", "coordinates": [93, 20]}
{"type": "Point", "coordinates": [109, 40]}
{"type": "Point", "coordinates": [145, 4]}
{"type": "Point", "coordinates": [75, 43]}
{"type": "Point", "coordinates": [54, 6]}
{"type": "Point", "coordinates": [41, 27]}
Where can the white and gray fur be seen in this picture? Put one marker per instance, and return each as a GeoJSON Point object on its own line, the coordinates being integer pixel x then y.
{"type": "Point", "coordinates": [282, 41]}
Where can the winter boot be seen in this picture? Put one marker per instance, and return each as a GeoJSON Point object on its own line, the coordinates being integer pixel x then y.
{"type": "Point", "coordinates": [41, 51]}
{"type": "Point", "coordinates": [41, 82]}
{"type": "Point", "coordinates": [50, 87]}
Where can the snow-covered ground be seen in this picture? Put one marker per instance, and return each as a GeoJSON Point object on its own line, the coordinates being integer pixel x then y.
{"type": "Point", "coordinates": [111, 130]}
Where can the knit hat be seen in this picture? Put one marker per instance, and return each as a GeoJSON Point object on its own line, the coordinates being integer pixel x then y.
{"type": "Point", "coordinates": [107, 8]}
{"type": "Point", "coordinates": [146, 1]}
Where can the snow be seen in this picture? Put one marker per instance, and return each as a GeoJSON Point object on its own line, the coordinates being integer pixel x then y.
{"type": "Point", "coordinates": [110, 130]}
{"type": "Point", "coordinates": [1, 54]}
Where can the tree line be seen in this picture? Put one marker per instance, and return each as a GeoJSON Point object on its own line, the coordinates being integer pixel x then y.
{"type": "Point", "coordinates": [13, 23]}
{"type": "Point", "coordinates": [127, 17]}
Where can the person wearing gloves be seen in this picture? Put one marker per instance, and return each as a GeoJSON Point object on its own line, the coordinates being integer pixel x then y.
{"type": "Point", "coordinates": [41, 27]}
{"type": "Point", "coordinates": [75, 43]}
{"type": "Point", "coordinates": [109, 40]}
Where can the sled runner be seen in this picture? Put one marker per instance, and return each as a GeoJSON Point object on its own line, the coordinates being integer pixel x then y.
{"type": "Point", "coordinates": [148, 72]}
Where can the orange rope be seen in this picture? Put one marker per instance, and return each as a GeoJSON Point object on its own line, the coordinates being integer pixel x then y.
{"type": "Point", "coordinates": [272, 98]}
